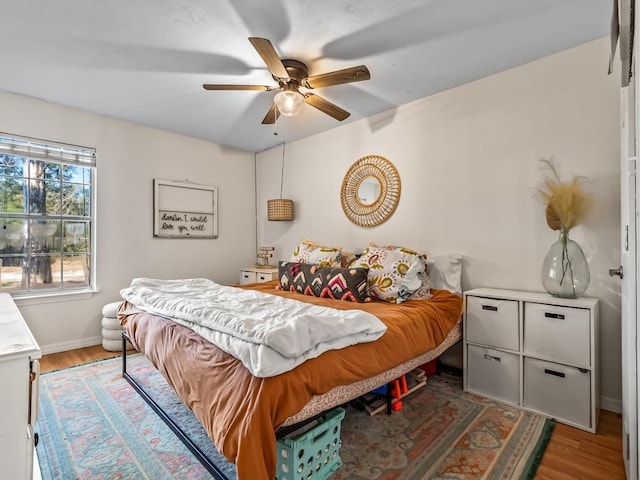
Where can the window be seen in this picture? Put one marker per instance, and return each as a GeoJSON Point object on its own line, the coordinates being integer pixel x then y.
{"type": "Point", "coordinates": [46, 216]}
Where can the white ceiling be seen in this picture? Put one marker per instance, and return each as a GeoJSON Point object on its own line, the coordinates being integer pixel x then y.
{"type": "Point", "coordinates": [145, 60]}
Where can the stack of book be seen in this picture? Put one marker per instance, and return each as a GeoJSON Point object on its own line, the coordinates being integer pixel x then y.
{"type": "Point", "coordinates": [376, 401]}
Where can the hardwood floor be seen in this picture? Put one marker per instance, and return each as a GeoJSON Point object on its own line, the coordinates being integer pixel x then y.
{"type": "Point", "coordinates": [572, 454]}
{"type": "Point", "coordinates": [56, 361]}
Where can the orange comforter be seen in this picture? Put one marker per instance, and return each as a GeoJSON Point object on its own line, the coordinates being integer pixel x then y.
{"type": "Point", "coordinates": [241, 412]}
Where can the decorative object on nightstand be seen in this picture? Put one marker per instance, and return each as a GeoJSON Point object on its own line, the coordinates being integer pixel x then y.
{"type": "Point", "coordinates": [565, 271]}
{"type": "Point", "coordinates": [534, 351]}
{"type": "Point", "coordinates": [264, 254]}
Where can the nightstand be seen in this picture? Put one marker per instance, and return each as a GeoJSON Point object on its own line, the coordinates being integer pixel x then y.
{"type": "Point", "coordinates": [258, 275]}
{"type": "Point", "coordinates": [535, 351]}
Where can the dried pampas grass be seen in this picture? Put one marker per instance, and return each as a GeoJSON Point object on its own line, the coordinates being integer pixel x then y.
{"type": "Point", "coordinates": [567, 203]}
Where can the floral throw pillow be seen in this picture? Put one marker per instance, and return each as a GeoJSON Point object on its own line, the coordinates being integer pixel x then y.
{"type": "Point", "coordinates": [395, 273]}
{"type": "Point", "coordinates": [309, 252]}
{"type": "Point", "coordinates": [348, 284]}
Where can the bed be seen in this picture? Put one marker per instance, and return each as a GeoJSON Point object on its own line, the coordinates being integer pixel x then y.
{"type": "Point", "coordinates": [242, 412]}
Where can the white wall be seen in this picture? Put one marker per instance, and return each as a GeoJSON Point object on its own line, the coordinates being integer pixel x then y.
{"type": "Point", "coordinates": [468, 162]}
{"type": "Point", "coordinates": [129, 157]}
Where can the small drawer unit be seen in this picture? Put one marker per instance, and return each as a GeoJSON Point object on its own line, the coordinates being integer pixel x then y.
{"type": "Point", "coordinates": [257, 275]}
{"type": "Point", "coordinates": [534, 351]}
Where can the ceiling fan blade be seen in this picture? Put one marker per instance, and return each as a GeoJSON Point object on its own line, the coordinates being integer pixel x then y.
{"type": "Point", "coordinates": [271, 116]}
{"type": "Point", "coordinates": [270, 57]}
{"type": "Point", "coordinates": [326, 106]}
{"type": "Point", "coordinates": [348, 75]}
{"type": "Point", "coordinates": [209, 86]}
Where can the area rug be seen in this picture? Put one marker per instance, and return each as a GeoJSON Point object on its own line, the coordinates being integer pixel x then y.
{"type": "Point", "coordinates": [93, 425]}
{"type": "Point", "coordinates": [442, 433]}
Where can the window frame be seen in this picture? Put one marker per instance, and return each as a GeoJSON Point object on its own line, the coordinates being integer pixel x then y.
{"type": "Point", "coordinates": [61, 154]}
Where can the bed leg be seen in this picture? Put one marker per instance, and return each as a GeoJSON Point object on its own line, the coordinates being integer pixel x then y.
{"type": "Point", "coordinates": [124, 353]}
{"type": "Point", "coordinates": [389, 398]}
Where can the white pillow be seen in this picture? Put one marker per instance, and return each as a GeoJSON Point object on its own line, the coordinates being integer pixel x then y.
{"type": "Point", "coordinates": [445, 272]}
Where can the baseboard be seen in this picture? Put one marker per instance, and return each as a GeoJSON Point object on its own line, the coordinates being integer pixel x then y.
{"type": "Point", "coordinates": [611, 404]}
{"type": "Point", "coordinates": [71, 345]}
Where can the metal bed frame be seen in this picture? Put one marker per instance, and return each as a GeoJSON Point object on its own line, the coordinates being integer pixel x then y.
{"type": "Point", "coordinates": [199, 454]}
{"type": "Point", "coordinates": [193, 448]}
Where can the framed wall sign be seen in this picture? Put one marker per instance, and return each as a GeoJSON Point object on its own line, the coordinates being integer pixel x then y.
{"type": "Point", "coordinates": [184, 210]}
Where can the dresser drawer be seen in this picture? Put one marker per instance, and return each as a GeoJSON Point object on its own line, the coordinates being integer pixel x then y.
{"type": "Point", "coordinates": [265, 276]}
{"type": "Point", "coordinates": [558, 391]}
{"type": "Point", "coordinates": [247, 276]}
{"type": "Point", "coordinates": [493, 373]}
{"type": "Point", "coordinates": [558, 333]}
{"type": "Point", "coordinates": [492, 322]}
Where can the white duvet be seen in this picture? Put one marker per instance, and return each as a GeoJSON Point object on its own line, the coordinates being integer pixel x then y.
{"type": "Point", "coordinates": [267, 333]}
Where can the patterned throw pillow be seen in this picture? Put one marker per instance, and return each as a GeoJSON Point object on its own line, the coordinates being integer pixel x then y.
{"type": "Point", "coordinates": [310, 252]}
{"type": "Point", "coordinates": [424, 292]}
{"type": "Point", "coordinates": [395, 273]}
{"type": "Point", "coordinates": [328, 282]}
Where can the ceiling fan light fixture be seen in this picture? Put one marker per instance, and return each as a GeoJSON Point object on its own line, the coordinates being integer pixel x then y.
{"type": "Point", "coordinates": [291, 74]}
{"type": "Point", "coordinates": [289, 102]}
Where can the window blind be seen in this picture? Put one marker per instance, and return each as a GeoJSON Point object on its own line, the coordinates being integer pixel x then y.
{"type": "Point", "coordinates": [47, 151]}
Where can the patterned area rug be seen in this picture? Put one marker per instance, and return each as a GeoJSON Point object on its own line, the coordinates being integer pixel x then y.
{"type": "Point", "coordinates": [93, 425]}
{"type": "Point", "coordinates": [443, 433]}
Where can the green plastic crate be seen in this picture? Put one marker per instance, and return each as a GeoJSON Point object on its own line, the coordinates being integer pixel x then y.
{"type": "Point", "coordinates": [314, 454]}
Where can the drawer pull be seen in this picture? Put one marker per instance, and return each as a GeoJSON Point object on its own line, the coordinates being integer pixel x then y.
{"type": "Point", "coordinates": [554, 373]}
{"type": "Point", "coordinates": [490, 307]}
{"type": "Point", "coordinates": [557, 316]}
{"type": "Point", "coordinates": [492, 358]}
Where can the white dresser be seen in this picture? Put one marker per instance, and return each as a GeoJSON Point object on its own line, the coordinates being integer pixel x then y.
{"type": "Point", "coordinates": [535, 351]}
{"type": "Point", "coordinates": [258, 275]}
{"type": "Point", "coordinates": [19, 375]}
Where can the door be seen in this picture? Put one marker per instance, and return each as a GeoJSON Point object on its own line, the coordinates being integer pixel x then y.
{"type": "Point", "coordinates": [628, 274]}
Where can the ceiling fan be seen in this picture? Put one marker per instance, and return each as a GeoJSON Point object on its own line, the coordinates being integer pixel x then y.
{"type": "Point", "coordinates": [291, 75]}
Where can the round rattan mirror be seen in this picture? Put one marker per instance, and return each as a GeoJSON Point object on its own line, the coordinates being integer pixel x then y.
{"type": "Point", "coordinates": [370, 191]}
